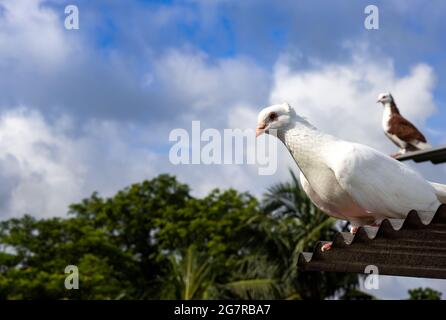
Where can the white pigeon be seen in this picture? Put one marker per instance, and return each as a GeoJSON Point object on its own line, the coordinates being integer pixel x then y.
{"type": "Point", "coordinates": [346, 180]}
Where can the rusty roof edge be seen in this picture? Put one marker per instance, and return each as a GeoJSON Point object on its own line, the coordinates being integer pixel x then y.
{"type": "Point", "coordinates": [440, 215]}
{"type": "Point", "coordinates": [366, 233]}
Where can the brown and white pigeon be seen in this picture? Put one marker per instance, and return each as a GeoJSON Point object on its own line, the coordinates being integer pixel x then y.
{"type": "Point", "coordinates": [400, 130]}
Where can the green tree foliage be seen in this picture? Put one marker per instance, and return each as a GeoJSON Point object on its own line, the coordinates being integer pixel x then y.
{"type": "Point", "coordinates": [355, 294]}
{"type": "Point", "coordinates": [154, 240]}
{"type": "Point", "coordinates": [424, 294]}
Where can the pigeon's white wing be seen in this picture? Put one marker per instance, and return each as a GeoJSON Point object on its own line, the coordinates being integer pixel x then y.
{"type": "Point", "coordinates": [383, 186]}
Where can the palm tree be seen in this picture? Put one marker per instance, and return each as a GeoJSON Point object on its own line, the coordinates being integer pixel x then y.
{"type": "Point", "coordinates": [255, 278]}
{"type": "Point", "coordinates": [190, 276]}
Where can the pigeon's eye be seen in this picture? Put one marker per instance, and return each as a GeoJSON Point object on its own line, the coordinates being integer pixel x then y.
{"type": "Point", "coordinates": [272, 116]}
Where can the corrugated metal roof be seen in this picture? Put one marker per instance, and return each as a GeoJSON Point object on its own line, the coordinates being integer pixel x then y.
{"type": "Point", "coordinates": [434, 155]}
{"type": "Point", "coordinates": [415, 247]}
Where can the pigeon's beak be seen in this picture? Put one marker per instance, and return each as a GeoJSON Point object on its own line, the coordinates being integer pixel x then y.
{"type": "Point", "coordinates": [379, 100]}
{"type": "Point", "coordinates": [260, 129]}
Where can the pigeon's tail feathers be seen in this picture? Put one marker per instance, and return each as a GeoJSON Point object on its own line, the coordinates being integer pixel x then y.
{"type": "Point", "coordinates": [440, 191]}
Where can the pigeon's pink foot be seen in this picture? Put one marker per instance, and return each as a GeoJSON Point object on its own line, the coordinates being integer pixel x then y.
{"type": "Point", "coordinates": [326, 246]}
{"type": "Point", "coordinates": [353, 230]}
{"type": "Point", "coordinates": [396, 154]}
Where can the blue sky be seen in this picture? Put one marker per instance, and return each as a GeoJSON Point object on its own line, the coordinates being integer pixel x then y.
{"type": "Point", "coordinates": [91, 109]}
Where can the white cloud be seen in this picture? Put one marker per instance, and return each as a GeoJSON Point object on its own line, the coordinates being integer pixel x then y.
{"type": "Point", "coordinates": [46, 171]}
{"type": "Point", "coordinates": [44, 168]}
{"type": "Point", "coordinates": [340, 98]}
{"type": "Point", "coordinates": [203, 83]}
{"type": "Point", "coordinates": [31, 35]}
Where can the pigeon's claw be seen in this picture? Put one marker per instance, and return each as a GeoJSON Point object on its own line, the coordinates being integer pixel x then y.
{"type": "Point", "coordinates": [396, 154]}
{"type": "Point", "coordinates": [326, 246]}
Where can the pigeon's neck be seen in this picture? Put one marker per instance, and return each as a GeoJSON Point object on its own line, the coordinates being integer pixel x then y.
{"type": "Point", "coordinates": [305, 144]}
{"type": "Point", "coordinates": [391, 108]}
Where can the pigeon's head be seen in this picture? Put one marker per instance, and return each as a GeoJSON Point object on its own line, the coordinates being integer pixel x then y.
{"type": "Point", "coordinates": [385, 98]}
{"type": "Point", "coordinates": [275, 117]}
